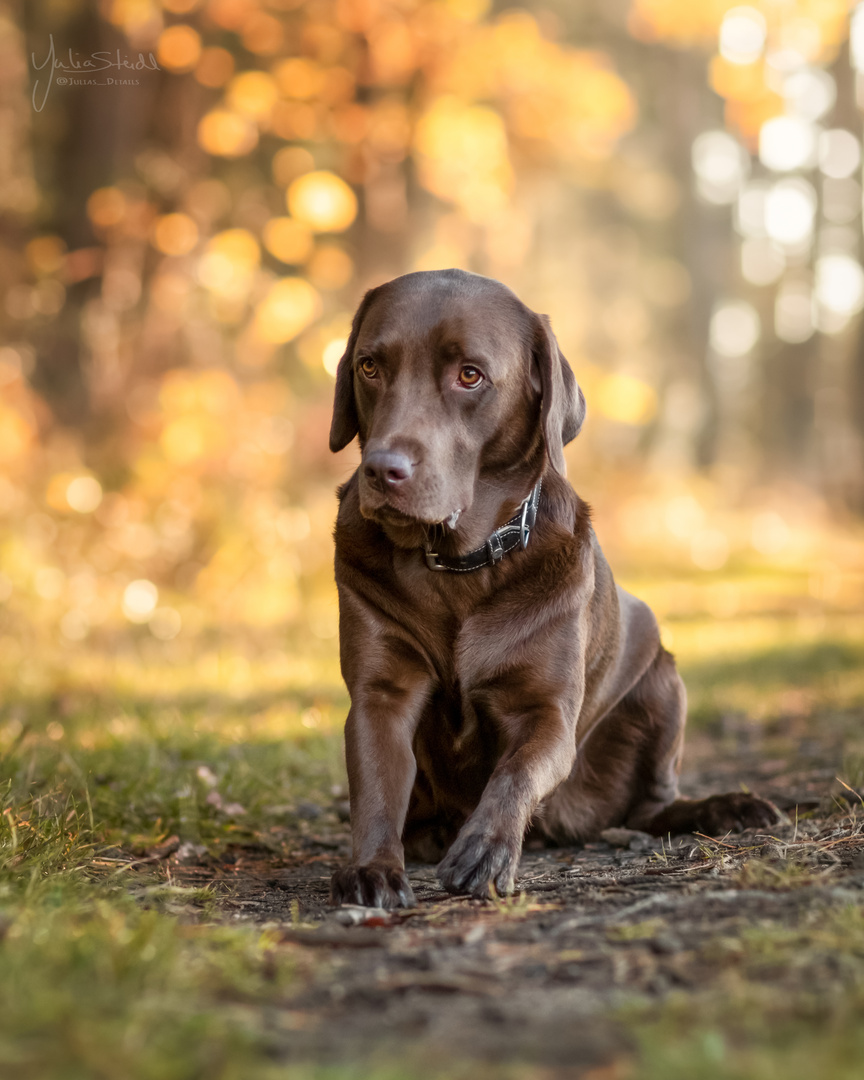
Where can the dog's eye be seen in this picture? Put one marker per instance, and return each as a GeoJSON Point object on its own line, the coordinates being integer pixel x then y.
{"type": "Point", "coordinates": [369, 368]}
{"type": "Point", "coordinates": [470, 378]}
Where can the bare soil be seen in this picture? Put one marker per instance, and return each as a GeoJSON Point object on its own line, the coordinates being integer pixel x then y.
{"type": "Point", "coordinates": [540, 978]}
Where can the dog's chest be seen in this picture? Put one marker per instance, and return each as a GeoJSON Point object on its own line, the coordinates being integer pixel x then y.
{"type": "Point", "coordinates": [438, 619]}
{"type": "Point", "coordinates": [456, 745]}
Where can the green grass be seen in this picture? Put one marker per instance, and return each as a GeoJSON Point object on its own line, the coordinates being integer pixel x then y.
{"type": "Point", "coordinates": [704, 1044]}
{"type": "Point", "coordinates": [140, 790]}
{"type": "Point", "coordinates": [121, 745]}
{"type": "Point", "coordinates": [786, 1002]}
{"type": "Point", "coordinates": [104, 973]}
{"type": "Point", "coordinates": [795, 675]}
{"type": "Point", "coordinates": [93, 985]}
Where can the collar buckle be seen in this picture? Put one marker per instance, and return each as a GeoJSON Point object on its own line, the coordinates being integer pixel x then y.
{"type": "Point", "coordinates": [529, 516]}
{"type": "Point", "coordinates": [432, 559]}
{"type": "Point", "coordinates": [494, 549]}
{"type": "Point", "coordinates": [497, 545]}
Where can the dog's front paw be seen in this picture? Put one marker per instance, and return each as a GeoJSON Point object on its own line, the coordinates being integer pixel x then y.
{"type": "Point", "coordinates": [371, 886]}
{"type": "Point", "coordinates": [475, 863]}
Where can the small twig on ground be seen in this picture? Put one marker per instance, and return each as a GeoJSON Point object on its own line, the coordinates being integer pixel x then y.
{"type": "Point", "coordinates": [713, 840]}
{"type": "Point", "coordinates": [854, 792]}
{"type": "Point", "coordinates": [162, 852]}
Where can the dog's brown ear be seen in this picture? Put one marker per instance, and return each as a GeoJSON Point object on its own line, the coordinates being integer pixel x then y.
{"type": "Point", "coordinates": [562, 410]}
{"type": "Point", "coordinates": [346, 423]}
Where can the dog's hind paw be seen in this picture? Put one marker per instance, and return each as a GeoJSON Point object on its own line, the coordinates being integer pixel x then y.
{"type": "Point", "coordinates": [480, 866]}
{"type": "Point", "coordinates": [715, 816]}
{"type": "Point", "coordinates": [371, 886]}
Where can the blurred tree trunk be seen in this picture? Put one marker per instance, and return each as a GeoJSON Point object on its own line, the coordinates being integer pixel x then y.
{"type": "Point", "coordinates": [685, 108]}
{"type": "Point", "coordinates": [19, 195]}
{"type": "Point", "coordinates": [88, 136]}
{"type": "Point", "coordinates": [837, 383]}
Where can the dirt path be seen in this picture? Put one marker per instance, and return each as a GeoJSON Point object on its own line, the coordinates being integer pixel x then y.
{"type": "Point", "coordinates": [538, 978]}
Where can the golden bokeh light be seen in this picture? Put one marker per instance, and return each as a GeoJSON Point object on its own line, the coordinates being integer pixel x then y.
{"type": "Point", "coordinates": [625, 399]}
{"type": "Point", "coordinates": [55, 492]}
{"type": "Point", "coordinates": [229, 262]}
{"type": "Point", "coordinates": [107, 207]}
{"type": "Point", "coordinates": [45, 254]}
{"type": "Point", "coordinates": [468, 10]}
{"type": "Point", "coordinates": [170, 293]}
{"type": "Point", "coordinates": [135, 16]}
{"type": "Point", "coordinates": [180, 7]}
{"type": "Point", "coordinates": [186, 439]}
{"type": "Point", "coordinates": [289, 306]}
{"type": "Point", "coordinates": [323, 201]}
{"type": "Point", "coordinates": [350, 123]}
{"type": "Point", "coordinates": [682, 24]}
{"type": "Point", "coordinates": [294, 120]}
{"type": "Point", "coordinates": [215, 67]}
{"type": "Point", "coordinates": [330, 267]}
{"type": "Point", "coordinates": [174, 234]}
{"type": "Point", "coordinates": [214, 392]}
{"type": "Point", "coordinates": [229, 14]}
{"type": "Point", "coordinates": [291, 162]}
{"type": "Point", "coordinates": [813, 29]}
{"type": "Point", "coordinates": [217, 392]}
{"type": "Point", "coordinates": [389, 128]}
{"type": "Point", "coordinates": [227, 134]}
{"type": "Point", "coordinates": [253, 93]}
{"type": "Point", "coordinates": [214, 297]}
{"type": "Point", "coordinates": [16, 433]}
{"type": "Point", "coordinates": [208, 200]}
{"type": "Point", "coordinates": [263, 34]}
{"type": "Point", "coordinates": [393, 52]}
{"type": "Point", "coordinates": [464, 156]}
{"type": "Point", "coordinates": [332, 354]}
{"type": "Point", "coordinates": [298, 78]}
{"type": "Point", "coordinates": [179, 48]}
{"type": "Point", "coordinates": [84, 494]}
{"type": "Point", "coordinates": [200, 413]}
{"type": "Point", "coordinates": [747, 117]}
{"type": "Point", "coordinates": [139, 600]}
{"type": "Point", "coordinates": [288, 240]}
{"type": "Point", "coordinates": [338, 86]}
{"type": "Point", "coordinates": [736, 82]}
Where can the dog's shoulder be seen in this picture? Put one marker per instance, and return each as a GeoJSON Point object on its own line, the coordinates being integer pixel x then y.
{"type": "Point", "coordinates": [360, 543]}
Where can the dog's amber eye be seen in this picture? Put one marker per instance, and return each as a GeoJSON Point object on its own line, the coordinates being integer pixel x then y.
{"type": "Point", "coordinates": [470, 378]}
{"type": "Point", "coordinates": [369, 368]}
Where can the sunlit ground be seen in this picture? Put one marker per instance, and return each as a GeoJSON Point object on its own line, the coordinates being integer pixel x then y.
{"type": "Point", "coordinates": [122, 740]}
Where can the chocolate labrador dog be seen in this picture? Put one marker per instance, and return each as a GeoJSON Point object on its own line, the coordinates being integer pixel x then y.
{"type": "Point", "coordinates": [500, 681]}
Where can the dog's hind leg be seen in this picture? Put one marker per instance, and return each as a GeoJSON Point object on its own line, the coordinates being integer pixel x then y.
{"type": "Point", "coordinates": [626, 773]}
{"type": "Point", "coordinates": [657, 808]}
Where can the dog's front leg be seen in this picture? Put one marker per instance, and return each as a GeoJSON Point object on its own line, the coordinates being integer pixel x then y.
{"type": "Point", "coordinates": [540, 755]}
{"type": "Point", "coordinates": [379, 733]}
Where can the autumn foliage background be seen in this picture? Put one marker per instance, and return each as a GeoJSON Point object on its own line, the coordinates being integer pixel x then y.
{"type": "Point", "coordinates": [181, 259]}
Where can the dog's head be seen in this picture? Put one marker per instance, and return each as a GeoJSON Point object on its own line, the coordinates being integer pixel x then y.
{"type": "Point", "coordinates": [456, 390]}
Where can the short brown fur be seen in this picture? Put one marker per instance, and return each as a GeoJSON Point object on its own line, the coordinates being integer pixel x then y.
{"type": "Point", "coordinates": [533, 694]}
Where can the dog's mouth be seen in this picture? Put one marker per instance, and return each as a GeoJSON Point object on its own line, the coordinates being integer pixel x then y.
{"type": "Point", "coordinates": [411, 519]}
{"type": "Point", "coordinates": [392, 515]}
{"type": "Point", "coordinates": [409, 530]}
{"type": "Point", "coordinates": [450, 522]}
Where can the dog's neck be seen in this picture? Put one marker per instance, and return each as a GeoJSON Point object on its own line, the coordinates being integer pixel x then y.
{"type": "Point", "coordinates": [494, 505]}
{"type": "Point", "coordinates": [513, 535]}
{"type": "Point", "coordinates": [496, 498]}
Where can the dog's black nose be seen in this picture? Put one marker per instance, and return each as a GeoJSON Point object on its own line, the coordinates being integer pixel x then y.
{"type": "Point", "coordinates": [387, 468]}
